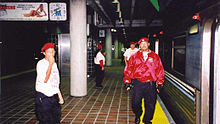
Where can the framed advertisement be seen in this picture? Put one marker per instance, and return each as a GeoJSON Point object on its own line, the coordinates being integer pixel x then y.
{"type": "Point", "coordinates": [58, 11]}
{"type": "Point", "coordinates": [15, 11]}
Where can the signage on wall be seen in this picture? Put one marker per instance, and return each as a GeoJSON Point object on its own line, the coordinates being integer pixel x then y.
{"type": "Point", "coordinates": [58, 11]}
{"type": "Point", "coordinates": [101, 33]}
{"type": "Point", "coordinates": [23, 11]}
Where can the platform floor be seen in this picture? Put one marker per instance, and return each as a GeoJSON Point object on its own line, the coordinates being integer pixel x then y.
{"type": "Point", "coordinates": [110, 105]}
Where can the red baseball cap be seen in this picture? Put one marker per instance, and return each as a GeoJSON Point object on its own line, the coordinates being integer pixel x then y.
{"type": "Point", "coordinates": [99, 46]}
{"type": "Point", "coordinates": [144, 39]}
{"type": "Point", "coordinates": [132, 43]}
{"type": "Point", "coordinates": [47, 46]}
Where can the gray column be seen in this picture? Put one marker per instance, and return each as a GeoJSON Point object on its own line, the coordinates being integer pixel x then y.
{"type": "Point", "coordinates": [78, 46]}
{"type": "Point", "coordinates": [116, 48]}
{"type": "Point", "coordinates": [108, 46]}
{"type": "Point", "coordinates": [119, 51]}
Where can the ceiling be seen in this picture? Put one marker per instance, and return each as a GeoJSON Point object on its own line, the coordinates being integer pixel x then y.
{"type": "Point", "coordinates": [134, 19]}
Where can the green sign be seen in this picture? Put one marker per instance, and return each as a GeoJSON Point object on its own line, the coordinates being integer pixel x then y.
{"type": "Point", "coordinates": [155, 4]}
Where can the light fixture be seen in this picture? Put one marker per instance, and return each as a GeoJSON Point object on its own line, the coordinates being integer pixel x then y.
{"type": "Point", "coordinates": [121, 21]}
{"type": "Point", "coordinates": [196, 17]}
{"type": "Point", "coordinates": [118, 7]}
{"type": "Point", "coordinates": [113, 30]}
{"type": "Point", "coordinates": [115, 1]}
{"type": "Point", "coordinates": [119, 14]}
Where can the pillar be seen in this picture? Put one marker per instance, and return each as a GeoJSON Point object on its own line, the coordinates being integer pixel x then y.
{"type": "Point", "coordinates": [78, 48]}
{"type": "Point", "coordinates": [108, 46]}
{"type": "Point", "coordinates": [116, 48]}
{"type": "Point", "coordinates": [119, 51]}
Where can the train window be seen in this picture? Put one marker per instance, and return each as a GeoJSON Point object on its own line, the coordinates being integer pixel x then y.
{"type": "Point", "coordinates": [179, 55]}
{"type": "Point", "coordinates": [194, 29]}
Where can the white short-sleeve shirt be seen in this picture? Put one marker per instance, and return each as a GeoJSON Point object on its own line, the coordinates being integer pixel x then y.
{"type": "Point", "coordinates": [52, 86]}
{"type": "Point", "coordinates": [99, 57]}
{"type": "Point", "coordinates": [129, 52]}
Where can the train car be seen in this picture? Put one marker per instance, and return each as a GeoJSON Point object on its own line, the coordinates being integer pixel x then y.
{"type": "Point", "coordinates": [190, 55]}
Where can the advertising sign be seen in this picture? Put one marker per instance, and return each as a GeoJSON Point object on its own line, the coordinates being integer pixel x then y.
{"type": "Point", "coordinates": [58, 11]}
{"type": "Point", "coordinates": [101, 33]}
{"type": "Point", "coordinates": [23, 11]}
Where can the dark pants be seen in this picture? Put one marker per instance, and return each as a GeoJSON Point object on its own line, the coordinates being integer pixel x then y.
{"type": "Point", "coordinates": [47, 109]}
{"type": "Point", "coordinates": [148, 92]}
{"type": "Point", "coordinates": [99, 75]}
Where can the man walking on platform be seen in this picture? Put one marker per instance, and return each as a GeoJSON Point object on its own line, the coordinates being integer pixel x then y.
{"type": "Point", "coordinates": [145, 71]}
{"type": "Point", "coordinates": [99, 61]}
{"type": "Point", "coordinates": [130, 51]}
{"type": "Point", "coordinates": [48, 95]}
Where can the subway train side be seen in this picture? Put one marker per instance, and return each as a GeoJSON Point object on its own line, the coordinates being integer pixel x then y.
{"type": "Point", "coordinates": [190, 54]}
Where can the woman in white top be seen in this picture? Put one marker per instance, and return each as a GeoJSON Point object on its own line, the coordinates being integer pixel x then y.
{"type": "Point", "coordinates": [129, 52]}
{"type": "Point", "coordinates": [48, 95]}
{"type": "Point", "coordinates": [99, 61]}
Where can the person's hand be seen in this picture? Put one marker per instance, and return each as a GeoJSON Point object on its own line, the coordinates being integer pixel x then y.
{"type": "Point", "coordinates": [102, 68]}
{"type": "Point", "coordinates": [61, 101]}
{"type": "Point", "coordinates": [128, 86]}
{"type": "Point", "coordinates": [51, 59]}
{"type": "Point", "coordinates": [159, 87]}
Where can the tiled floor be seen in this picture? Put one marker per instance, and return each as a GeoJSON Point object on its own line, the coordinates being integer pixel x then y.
{"type": "Point", "coordinates": [110, 105]}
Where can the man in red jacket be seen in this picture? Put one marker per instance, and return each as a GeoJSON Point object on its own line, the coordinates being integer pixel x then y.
{"type": "Point", "coordinates": [145, 71]}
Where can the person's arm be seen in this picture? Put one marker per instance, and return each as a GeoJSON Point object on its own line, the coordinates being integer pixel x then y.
{"type": "Point", "coordinates": [101, 64]}
{"type": "Point", "coordinates": [125, 56]}
{"type": "Point", "coordinates": [160, 76]}
{"type": "Point", "coordinates": [128, 70]}
{"type": "Point", "coordinates": [44, 13]}
{"type": "Point", "coordinates": [160, 73]}
{"type": "Point", "coordinates": [125, 59]}
{"type": "Point", "coordinates": [129, 67]}
{"type": "Point", "coordinates": [51, 62]}
{"type": "Point", "coordinates": [61, 101]}
{"type": "Point", "coordinates": [37, 9]}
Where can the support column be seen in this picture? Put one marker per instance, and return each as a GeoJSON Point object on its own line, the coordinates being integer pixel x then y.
{"type": "Point", "coordinates": [119, 49]}
{"type": "Point", "coordinates": [116, 48]}
{"type": "Point", "coordinates": [108, 46]}
{"type": "Point", "coordinates": [78, 55]}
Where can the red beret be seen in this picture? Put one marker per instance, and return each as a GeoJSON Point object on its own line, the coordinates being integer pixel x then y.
{"type": "Point", "coordinates": [132, 43]}
{"type": "Point", "coordinates": [99, 46]}
{"type": "Point", "coordinates": [144, 39]}
{"type": "Point", "coordinates": [47, 46]}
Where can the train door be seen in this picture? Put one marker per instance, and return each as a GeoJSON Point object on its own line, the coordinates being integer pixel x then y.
{"type": "Point", "coordinates": [215, 79]}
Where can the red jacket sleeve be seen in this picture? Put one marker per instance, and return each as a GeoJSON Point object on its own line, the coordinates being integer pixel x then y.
{"type": "Point", "coordinates": [128, 70]}
{"type": "Point", "coordinates": [101, 63]}
{"type": "Point", "coordinates": [160, 73]}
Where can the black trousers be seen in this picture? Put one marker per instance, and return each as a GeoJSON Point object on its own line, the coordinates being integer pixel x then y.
{"type": "Point", "coordinates": [47, 109]}
{"type": "Point", "coordinates": [148, 92]}
{"type": "Point", "coordinates": [99, 75]}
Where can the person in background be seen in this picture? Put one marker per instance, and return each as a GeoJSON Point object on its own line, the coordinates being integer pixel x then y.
{"type": "Point", "coordinates": [145, 70]}
{"type": "Point", "coordinates": [99, 61]}
{"type": "Point", "coordinates": [48, 95]}
{"type": "Point", "coordinates": [129, 52]}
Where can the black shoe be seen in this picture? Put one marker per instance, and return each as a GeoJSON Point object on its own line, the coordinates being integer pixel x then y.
{"type": "Point", "coordinates": [137, 121]}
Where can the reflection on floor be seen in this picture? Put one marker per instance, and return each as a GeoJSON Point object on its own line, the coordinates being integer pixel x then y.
{"type": "Point", "coordinates": [110, 105]}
